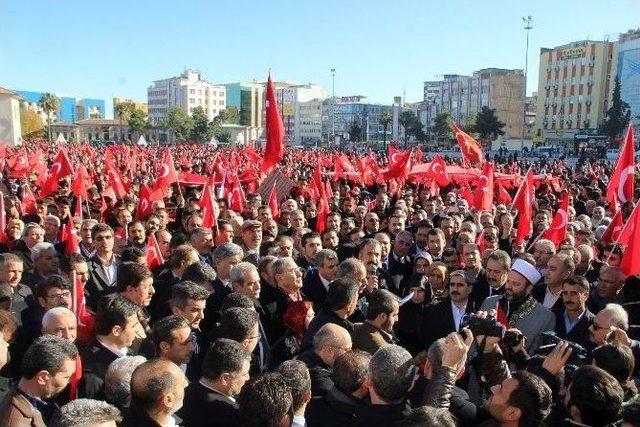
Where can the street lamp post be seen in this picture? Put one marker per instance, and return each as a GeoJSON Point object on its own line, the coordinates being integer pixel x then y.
{"type": "Point", "coordinates": [527, 26]}
{"type": "Point", "coordinates": [333, 106]}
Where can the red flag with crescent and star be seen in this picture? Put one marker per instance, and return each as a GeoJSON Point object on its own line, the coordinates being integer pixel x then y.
{"type": "Point", "coordinates": [471, 149]}
{"type": "Point", "coordinates": [60, 168]}
{"type": "Point", "coordinates": [557, 232]}
{"type": "Point", "coordinates": [144, 207]}
{"type": "Point", "coordinates": [153, 255]}
{"type": "Point", "coordinates": [622, 181]}
{"type": "Point", "coordinates": [483, 200]}
{"type": "Point", "coordinates": [274, 148]}
{"type": "Point", "coordinates": [166, 176]}
{"type": "Point", "coordinates": [523, 203]}
{"type": "Point", "coordinates": [630, 264]}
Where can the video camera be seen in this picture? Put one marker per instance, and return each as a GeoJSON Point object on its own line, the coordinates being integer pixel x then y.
{"type": "Point", "coordinates": [550, 340]}
{"type": "Point", "coordinates": [489, 326]}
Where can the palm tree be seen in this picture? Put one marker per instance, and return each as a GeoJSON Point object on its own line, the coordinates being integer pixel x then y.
{"type": "Point", "coordinates": [385, 120]}
{"type": "Point", "coordinates": [49, 104]}
{"type": "Point", "coordinates": [405, 119]}
{"type": "Point", "coordinates": [124, 111]}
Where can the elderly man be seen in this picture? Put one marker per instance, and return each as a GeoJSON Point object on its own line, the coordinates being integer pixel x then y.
{"type": "Point", "coordinates": [559, 268]}
{"type": "Point", "coordinates": [245, 280]}
{"type": "Point", "coordinates": [602, 326]}
{"type": "Point", "coordinates": [519, 308]}
{"type": "Point", "coordinates": [117, 380]}
{"type": "Point", "coordinates": [543, 250]}
{"type": "Point", "coordinates": [45, 263]}
{"type": "Point", "coordinates": [51, 229]}
{"type": "Point", "coordinates": [316, 282]}
{"type": "Point", "coordinates": [494, 279]}
{"type": "Point", "coordinates": [251, 236]}
{"type": "Point", "coordinates": [608, 289]}
{"type": "Point", "coordinates": [202, 241]}
{"type": "Point", "coordinates": [330, 342]}
{"type": "Point", "coordinates": [11, 276]}
{"type": "Point", "coordinates": [225, 257]}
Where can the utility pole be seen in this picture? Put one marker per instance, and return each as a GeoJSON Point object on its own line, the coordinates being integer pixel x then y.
{"type": "Point", "coordinates": [527, 26]}
{"type": "Point", "coordinates": [333, 106]}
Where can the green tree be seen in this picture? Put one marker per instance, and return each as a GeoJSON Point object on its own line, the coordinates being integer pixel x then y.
{"type": "Point", "coordinates": [49, 104]}
{"type": "Point", "coordinates": [178, 123]}
{"type": "Point", "coordinates": [230, 115]}
{"type": "Point", "coordinates": [137, 122]}
{"type": "Point", "coordinates": [487, 125]}
{"type": "Point", "coordinates": [406, 119]}
{"type": "Point", "coordinates": [355, 131]}
{"type": "Point", "coordinates": [385, 120]}
{"type": "Point", "coordinates": [124, 110]}
{"type": "Point", "coordinates": [442, 126]}
{"type": "Point", "coordinates": [31, 124]}
{"type": "Point", "coordinates": [617, 116]}
{"type": "Point", "coordinates": [224, 137]}
{"type": "Point", "coordinates": [202, 130]}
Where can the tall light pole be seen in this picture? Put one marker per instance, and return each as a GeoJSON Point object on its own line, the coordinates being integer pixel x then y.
{"type": "Point", "coordinates": [527, 26]}
{"type": "Point", "coordinates": [333, 106]}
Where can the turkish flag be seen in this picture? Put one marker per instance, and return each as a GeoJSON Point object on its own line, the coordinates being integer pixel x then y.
{"type": "Point", "coordinates": [77, 209]}
{"type": "Point", "coordinates": [3, 221]}
{"type": "Point", "coordinates": [273, 203]}
{"type": "Point", "coordinates": [323, 203]}
{"type": "Point", "coordinates": [209, 208]}
{"type": "Point", "coordinates": [471, 149]}
{"type": "Point", "coordinates": [68, 236]}
{"type": "Point", "coordinates": [154, 256]}
{"type": "Point", "coordinates": [483, 200]}
{"type": "Point", "coordinates": [86, 320]}
{"type": "Point", "coordinates": [621, 183]}
{"type": "Point", "coordinates": [557, 232]}
{"type": "Point", "coordinates": [503, 195]}
{"type": "Point", "coordinates": [166, 176]}
{"type": "Point", "coordinates": [19, 167]}
{"type": "Point", "coordinates": [274, 149]}
{"type": "Point", "coordinates": [523, 203]}
{"type": "Point", "coordinates": [60, 168]}
{"type": "Point", "coordinates": [28, 200]}
{"type": "Point", "coordinates": [630, 264]}
{"type": "Point", "coordinates": [236, 197]}
{"type": "Point", "coordinates": [612, 233]}
{"type": "Point", "coordinates": [626, 233]}
{"type": "Point", "coordinates": [114, 179]}
{"type": "Point", "coordinates": [399, 165]}
{"type": "Point", "coordinates": [79, 183]}
{"type": "Point", "coordinates": [436, 170]}
{"type": "Point", "coordinates": [144, 203]}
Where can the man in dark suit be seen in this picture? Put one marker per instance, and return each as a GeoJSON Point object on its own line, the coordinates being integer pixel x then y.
{"type": "Point", "coordinates": [559, 268]}
{"type": "Point", "coordinates": [224, 258]}
{"type": "Point", "coordinates": [492, 280]}
{"type": "Point", "coordinates": [316, 281]}
{"type": "Point", "coordinates": [181, 258]}
{"type": "Point", "coordinates": [446, 316]}
{"type": "Point", "coordinates": [103, 266]}
{"type": "Point", "coordinates": [224, 371]}
{"type": "Point", "coordinates": [572, 323]}
{"type": "Point", "coordinates": [116, 323]}
{"type": "Point", "coordinates": [400, 263]}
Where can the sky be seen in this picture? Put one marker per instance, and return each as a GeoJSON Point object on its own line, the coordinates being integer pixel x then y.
{"type": "Point", "coordinates": [380, 49]}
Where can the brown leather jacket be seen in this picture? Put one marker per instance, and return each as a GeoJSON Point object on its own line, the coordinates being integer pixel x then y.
{"type": "Point", "coordinates": [17, 411]}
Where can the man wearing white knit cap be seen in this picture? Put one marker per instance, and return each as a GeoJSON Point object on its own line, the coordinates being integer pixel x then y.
{"type": "Point", "coordinates": [519, 308]}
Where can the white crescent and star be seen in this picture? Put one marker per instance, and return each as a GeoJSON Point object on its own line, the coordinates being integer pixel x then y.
{"type": "Point", "coordinates": [55, 168]}
{"type": "Point", "coordinates": [435, 167]}
{"type": "Point", "coordinates": [164, 171]}
{"type": "Point", "coordinates": [623, 180]}
{"type": "Point", "coordinates": [563, 214]}
{"type": "Point", "coordinates": [485, 186]}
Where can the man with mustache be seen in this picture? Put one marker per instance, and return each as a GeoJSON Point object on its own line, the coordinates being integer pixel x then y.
{"type": "Point", "coordinates": [519, 309]}
{"type": "Point", "coordinates": [573, 322]}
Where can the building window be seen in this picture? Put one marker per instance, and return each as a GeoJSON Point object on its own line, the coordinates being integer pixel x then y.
{"type": "Point", "coordinates": [192, 91]}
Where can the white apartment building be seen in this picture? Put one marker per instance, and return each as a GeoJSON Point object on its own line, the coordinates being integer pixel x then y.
{"type": "Point", "coordinates": [308, 124]}
{"type": "Point", "coordinates": [187, 91]}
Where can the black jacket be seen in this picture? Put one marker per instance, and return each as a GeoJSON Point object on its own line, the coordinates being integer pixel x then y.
{"type": "Point", "coordinates": [314, 290]}
{"type": "Point", "coordinates": [137, 417]}
{"type": "Point", "coordinates": [325, 316]}
{"type": "Point", "coordinates": [438, 321]}
{"type": "Point", "coordinates": [381, 415]}
{"type": "Point", "coordinates": [482, 290]}
{"type": "Point", "coordinates": [409, 326]}
{"type": "Point", "coordinates": [205, 407]}
{"type": "Point", "coordinates": [319, 372]}
{"type": "Point", "coordinates": [334, 409]}
{"type": "Point", "coordinates": [539, 292]}
{"type": "Point", "coordinates": [399, 269]}
{"type": "Point", "coordinates": [98, 284]}
{"type": "Point", "coordinates": [162, 284]}
{"type": "Point", "coordinates": [579, 333]}
{"type": "Point", "coordinates": [95, 362]}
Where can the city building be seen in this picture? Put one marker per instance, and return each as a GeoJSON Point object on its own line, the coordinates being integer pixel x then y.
{"type": "Point", "coordinates": [93, 130]}
{"type": "Point", "coordinates": [88, 108]}
{"type": "Point", "coordinates": [248, 98]}
{"type": "Point", "coordinates": [308, 130]}
{"type": "Point", "coordinates": [66, 112]}
{"type": "Point", "coordinates": [138, 105]}
{"type": "Point", "coordinates": [530, 105]}
{"type": "Point", "coordinates": [628, 71]}
{"type": "Point", "coordinates": [289, 97]}
{"type": "Point", "coordinates": [464, 96]}
{"type": "Point", "coordinates": [340, 113]}
{"type": "Point", "coordinates": [186, 91]}
{"type": "Point", "coordinates": [574, 89]}
{"type": "Point", "coordinates": [10, 131]}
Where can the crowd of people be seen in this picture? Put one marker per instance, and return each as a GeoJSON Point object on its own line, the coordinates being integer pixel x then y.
{"type": "Point", "coordinates": [400, 305]}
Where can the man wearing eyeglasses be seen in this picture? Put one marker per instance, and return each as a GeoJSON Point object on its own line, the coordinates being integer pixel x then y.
{"type": "Point", "coordinates": [103, 266]}
{"type": "Point", "coordinates": [543, 250]}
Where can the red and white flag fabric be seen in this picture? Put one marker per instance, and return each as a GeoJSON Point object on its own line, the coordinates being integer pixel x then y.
{"type": "Point", "coordinates": [622, 181]}
{"type": "Point", "coordinates": [114, 179]}
{"type": "Point", "coordinates": [274, 148]}
{"type": "Point", "coordinates": [166, 176]}
{"type": "Point", "coordinates": [630, 264]}
{"type": "Point", "coordinates": [69, 238]}
{"type": "Point", "coordinates": [437, 171]}
{"type": "Point", "coordinates": [273, 203]}
{"type": "Point", "coordinates": [79, 182]}
{"type": "Point", "coordinates": [557, 232]}
{"type": "Point", "coordinates": [144, 207]}
{"type": "Point", "coordinates": [523, 204]}
{"type": "Point", "coordinates": [77, 208]}
{"type": "Point", "coordinates": [153, 255]}
{"type": "Point", "coordinates": [471, 149]}
{"type": "Point", "coordinates": [483, 200]}
{"type": "Point", "coordinates": [236, 196]}
{"type": "Point", "coordinates": [60, 168]}
{"type": "Point", "coordinates": [3, 221]}
{"type": "Point", "coordinates": [209, 208]}
{"type": "Point", "coordinates": [323, 203]}
{"type": "Point", "coordinates": [503, 196]}
{"type": "Point", "coordinates": [85, 319]}
{"type": "Point", "coordinates": [399, 166]}
{"type": "Point", "coordinates": [612, 233]}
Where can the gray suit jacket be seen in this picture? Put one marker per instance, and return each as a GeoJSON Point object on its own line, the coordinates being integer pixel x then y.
{"type": "Point", "coordinates": [538, 321]}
